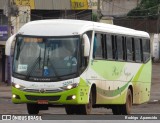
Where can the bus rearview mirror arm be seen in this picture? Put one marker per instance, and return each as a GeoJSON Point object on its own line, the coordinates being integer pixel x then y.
{"type": "Point", "coordinates": [86, 45]}
{"type": "Point", "coordinates": [8, 45]}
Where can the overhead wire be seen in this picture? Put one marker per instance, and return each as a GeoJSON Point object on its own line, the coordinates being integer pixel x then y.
{"type": "Point", "coordinates": [133, 10]}
{"type": "Point", "coordinates": [75, 14]}
{"type": "Point", "coordinates": [130, 9]}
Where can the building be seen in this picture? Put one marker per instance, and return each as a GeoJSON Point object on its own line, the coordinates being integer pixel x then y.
{"type": "Point", "coordinates": [118, 8]}
{"type": "Point", "coordinates": [36, 10]}
{"type": "Point", "coordinates": [30, 10]}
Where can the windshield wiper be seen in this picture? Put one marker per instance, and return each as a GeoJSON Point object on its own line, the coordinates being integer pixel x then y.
{"type": "Point", "coordinates": [52, 66]}
{"type": "Point", "coordinates": [20, 45]}
{"type": "Point", "coordinates": [39, 60]}
{"type": "Point", "coordinates": [34, 64]}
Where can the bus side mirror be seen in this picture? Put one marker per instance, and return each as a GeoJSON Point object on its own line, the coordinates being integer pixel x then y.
{"type": "Point", "coordinates": [8, 45]}
{"type": "Point", "coordinates": [86, 45]}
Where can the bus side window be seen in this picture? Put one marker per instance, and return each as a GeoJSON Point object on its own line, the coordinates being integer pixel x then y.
{"type": "Point", "coordinates": [109, 46]}
{"type": "Point", "coordinates": [104, 50]}
{"type": "Point", "coordinates": [133, 49]}
{"type": "Point", "coordinates": [146, 49]}
{"type": "Point", "coordinates": [129, 49]}
{"type": "Point", "coordinates": [124, 48]}
{"type": "Point", "coordinates": [138, 55]}
{"type": "Point", "coordinates": [97, 47]}
{"type": "Point", "coordinates": [119, 48]}
{"type": "Point", "coordinates": [114, 47]}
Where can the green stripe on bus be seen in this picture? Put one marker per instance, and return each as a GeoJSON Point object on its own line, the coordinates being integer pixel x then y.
{"type": "Point", "coordinates": [112, 93]}
{"type": "Point", "coordinates": [138, 74]}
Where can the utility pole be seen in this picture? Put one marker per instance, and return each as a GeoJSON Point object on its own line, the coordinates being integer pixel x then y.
{"type": "Point", "coordinates": [98, 11]}
{"type": "Point", "coordinates": [9, 34]}
{"type": "Point", "coordinates": [158, 19]}
{"type": "Point", "coordinates": [9, 18]}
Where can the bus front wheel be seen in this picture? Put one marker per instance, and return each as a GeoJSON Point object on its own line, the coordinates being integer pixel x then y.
{"type": "Point", "coordinates": [71, 109]}
{"type": "Point", "coordinates": [33, 108]}
{"type": "Point", "coordinates": [80, 109]}
{"type": "Point", "coordinates": [87, 108]}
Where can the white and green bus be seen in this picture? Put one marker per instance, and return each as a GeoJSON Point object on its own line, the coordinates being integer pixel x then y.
{"type": "Point", "coordinates": [81, 65]}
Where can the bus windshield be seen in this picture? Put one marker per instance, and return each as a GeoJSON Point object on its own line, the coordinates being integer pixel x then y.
{"type": "Point", "coordinates": [45, 57]}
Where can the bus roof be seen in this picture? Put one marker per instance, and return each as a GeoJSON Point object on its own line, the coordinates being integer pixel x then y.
{"type": "Point", "coordinates": [67, 27]}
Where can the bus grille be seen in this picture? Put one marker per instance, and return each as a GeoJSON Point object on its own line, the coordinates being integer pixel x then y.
{"type": "Point", "coordinates": [49, 98]}
{"type": "Point", "coordinates": [46, 91]}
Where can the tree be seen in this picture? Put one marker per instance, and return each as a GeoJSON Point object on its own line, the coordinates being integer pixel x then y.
{"type": "Point", "coordinates": [146, 8]}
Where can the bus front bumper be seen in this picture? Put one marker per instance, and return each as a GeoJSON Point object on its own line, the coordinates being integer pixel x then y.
{"type": "Point", "coordinates": [78, 95]}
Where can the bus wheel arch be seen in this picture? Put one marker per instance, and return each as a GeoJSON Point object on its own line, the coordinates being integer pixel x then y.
{"type": "Point", "coordinates": [91, 100]}
{"type": "Point", "coordinates": [124, 109]}
{"type": "Point", "coordinates": [131, 88]}
{"type": "Point", "coordinates": [94, 93]}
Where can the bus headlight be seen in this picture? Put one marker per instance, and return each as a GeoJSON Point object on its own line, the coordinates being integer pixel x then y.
{"type": "Point", "coordinates": [74, 97]}
{"type": "Point", "coordinates": [70, 86]}
{"type": "Point", "coordinates": [17, 86]}
{"type": "Point", "coordinates": [71, 97]}
{"type": "Point", "coordinates": [14, 96]}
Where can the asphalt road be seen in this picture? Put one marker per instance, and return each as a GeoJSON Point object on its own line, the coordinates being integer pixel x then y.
{"type": "Point", "coordinates": [152, 107]}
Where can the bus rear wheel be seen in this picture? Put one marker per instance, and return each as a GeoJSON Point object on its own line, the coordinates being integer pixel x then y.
{"type": "Point", "coordinates": [126, 108]}
{"type": "Point", "coordinates": [33, 108]}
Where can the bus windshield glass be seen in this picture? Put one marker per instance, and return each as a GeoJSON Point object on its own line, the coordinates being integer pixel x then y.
{"type": "Point", "coordinates": [45, 57]}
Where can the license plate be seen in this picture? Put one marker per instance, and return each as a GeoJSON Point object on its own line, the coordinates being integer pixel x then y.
{"type": "Point", "coordinates": [42, 101]}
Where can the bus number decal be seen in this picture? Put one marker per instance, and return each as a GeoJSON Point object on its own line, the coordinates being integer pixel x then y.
{"type": "Point", "coordinates": [67, 83]}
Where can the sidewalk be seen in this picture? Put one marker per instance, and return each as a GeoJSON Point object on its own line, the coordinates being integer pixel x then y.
{"type": "Point", "coordinates": [5, 90]}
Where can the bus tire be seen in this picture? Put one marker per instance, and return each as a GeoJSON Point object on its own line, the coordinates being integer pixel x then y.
{"type": "Point", "coordinates": [126, 108]}
{"type": "Point", "coordinates": [33, 108]}
{"type": "Point", "coordinates": [70, 109]}
{"type": "Point", "coordinates": [87, 108]}
{"type": "Point", "coordinates": [80, 109]}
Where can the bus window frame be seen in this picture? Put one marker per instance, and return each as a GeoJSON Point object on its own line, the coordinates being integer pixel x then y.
{"type": "Point", "coordinates": [122, 47]}
{"type": "Point", "coordinates": [111, 58]}
{"type": "Point", "coordinates": [135, 46]}
{"type": "Point", "coordinates": [149, 51]}
{"type": "Point", "coordinates": [132, 49]}
{"type": "Point", "coordinates": [103, 57]}
{"type": "Point", "coordinates": [113, 37]}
